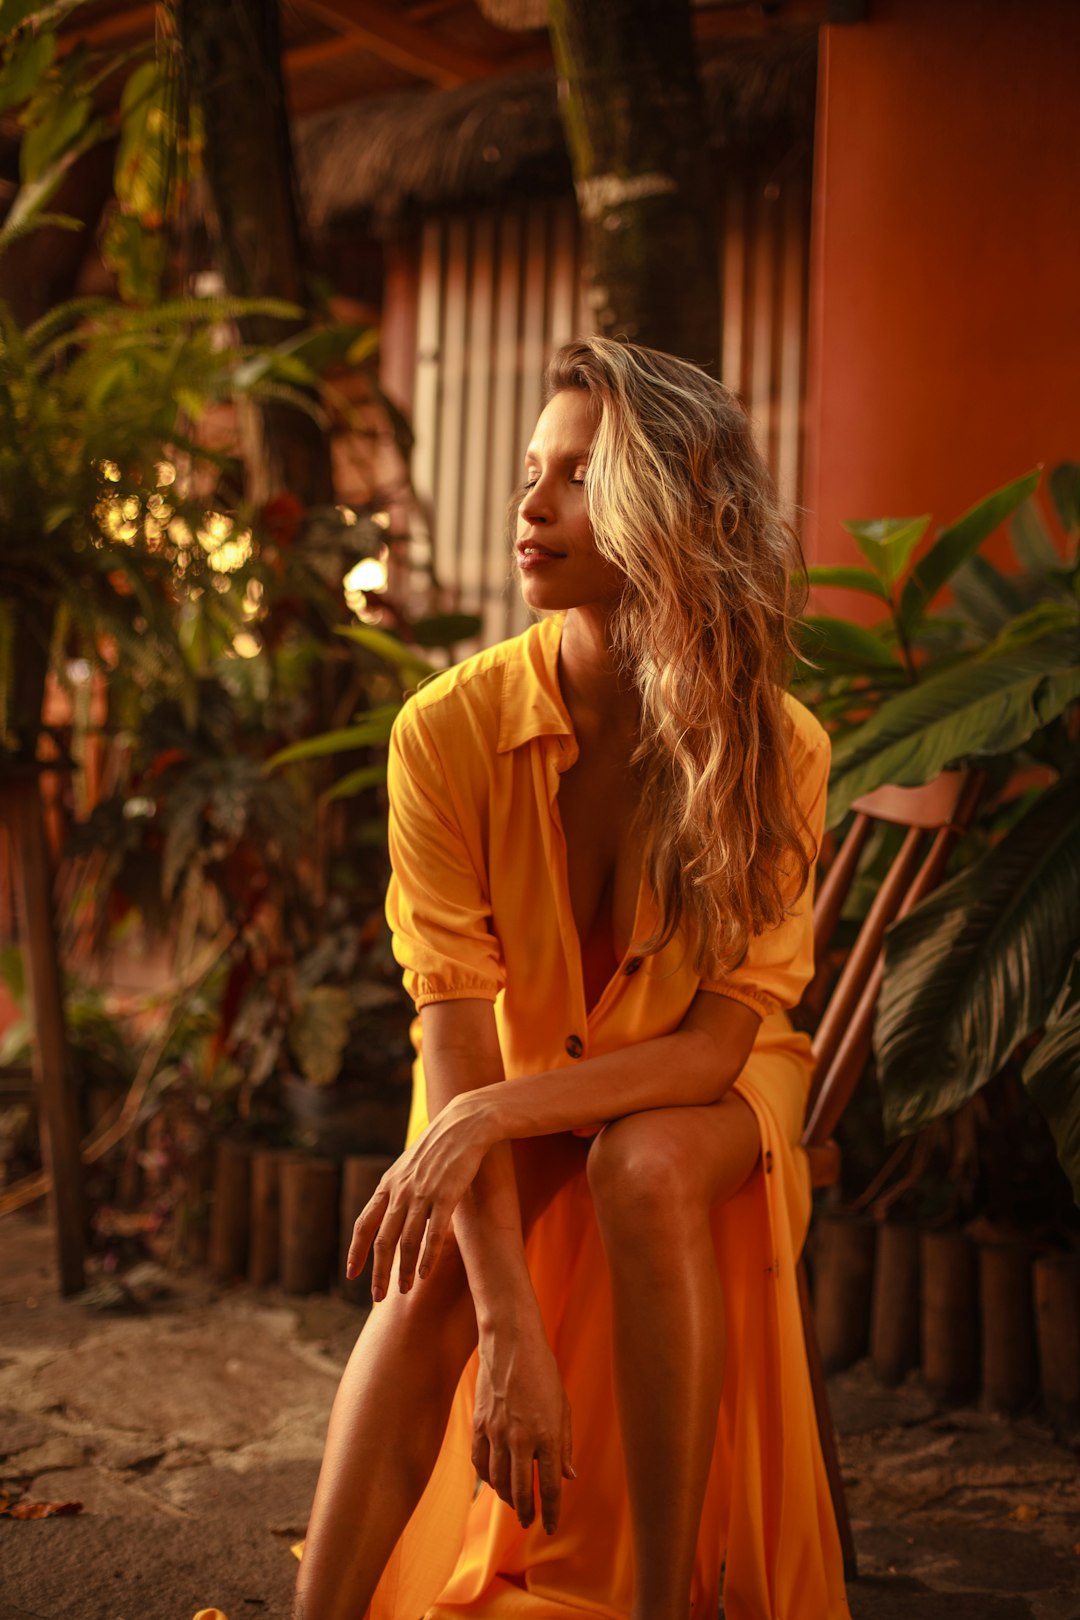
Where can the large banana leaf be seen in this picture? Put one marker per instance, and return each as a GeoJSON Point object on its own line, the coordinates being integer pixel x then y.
{"type": "Point", "coordinates": [975, 968]}
{"type": "Point", "coordinates": [956, 543]}
{"type": "Point", "coordinates": [1052, 1074]}
{"type": "Point", "coordinates": [989, 705]}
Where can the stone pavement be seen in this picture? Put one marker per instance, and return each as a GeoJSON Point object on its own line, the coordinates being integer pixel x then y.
{"type": "Point", "coordinates": [189, 1419]}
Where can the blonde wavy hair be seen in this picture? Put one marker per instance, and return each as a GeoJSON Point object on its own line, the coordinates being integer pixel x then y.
{"type": "Point", "coordinates": [682, 503]}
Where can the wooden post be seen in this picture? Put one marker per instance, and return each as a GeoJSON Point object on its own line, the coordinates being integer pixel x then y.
{"type": "Point", "coordinates": [309, 1224]}
{"type": "Point", "coordinates": [231, 1210]}
{"type": "Point", "coordinates": [1057, 1308]}
{"type": "Point", "coordinates": [265, 1239]}
{"type": "Point", "coordinates": [1010, 1367]}
{"type": "Point", "coordinates": [894, 1308]}
{"type": "Point", "coordinates": [51, 1059]}
{"type": "Point", "coordinates": [950, 1315]}
{"type": "Point", "coordinates": [362, 1174]}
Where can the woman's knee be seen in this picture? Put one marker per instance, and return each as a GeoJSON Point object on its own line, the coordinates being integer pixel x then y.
{"type": "Point", "coordinates": [639, 1172]}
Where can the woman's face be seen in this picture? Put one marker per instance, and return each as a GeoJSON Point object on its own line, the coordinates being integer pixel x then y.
{"type": "Point", "coordinates": [556, 554]}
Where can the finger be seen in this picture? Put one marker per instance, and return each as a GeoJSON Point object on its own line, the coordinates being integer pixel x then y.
{"type": "Point", "coordinates": [438, 1227]}
{"type": "Point", "coordinates": [500, 1472]}
{"type": "Point", "coordinates": [549, 1467]}
{"type": "Point", "coordinates": [364, 1229]}
{"type": "Point", "coordinates": [382, 1259]}
{"type": "Point", "coordinates": [412, 1235]}
{"type": "Point", "coordinates": [521, 1486]}
{"type": "Point", "coordinates": [481, 1457]}
{"type": "Point", "coordinates": [568, 1469]}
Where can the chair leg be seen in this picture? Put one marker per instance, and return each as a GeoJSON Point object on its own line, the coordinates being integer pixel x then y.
{"type": "Point", "coordinates": [826, 1432]}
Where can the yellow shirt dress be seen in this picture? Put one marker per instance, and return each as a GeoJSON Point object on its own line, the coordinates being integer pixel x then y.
{"type": "Point", "coordinates": [479, 908]}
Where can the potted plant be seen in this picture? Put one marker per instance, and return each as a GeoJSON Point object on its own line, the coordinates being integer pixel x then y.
{"type": "Point", "coordinates": [980, 978]}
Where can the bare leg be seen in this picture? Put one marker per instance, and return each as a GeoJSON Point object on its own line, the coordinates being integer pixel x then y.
{"type": "Point", "coordinates": [391, 1410]}
{"type": "Point", "coordinates": [654, 1177]}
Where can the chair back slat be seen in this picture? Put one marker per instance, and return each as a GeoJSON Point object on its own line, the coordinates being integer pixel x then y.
{"type": "Point", "coordinates": [865, 951]}
{"type": "Point", "coordinates": [834, 891]}
{"type": "Point", "coordinates": [843, 1041]}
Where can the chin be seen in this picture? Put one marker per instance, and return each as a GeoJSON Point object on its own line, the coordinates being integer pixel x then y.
{"type": "Point", "coordinates": [544, 595]}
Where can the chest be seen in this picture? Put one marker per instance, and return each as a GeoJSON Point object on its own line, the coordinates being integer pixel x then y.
{"type": "Point", "coordinates": [597, 803]}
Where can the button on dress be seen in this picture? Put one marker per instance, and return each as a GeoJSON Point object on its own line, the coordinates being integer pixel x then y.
{"type": "Point", "coordinates": [479, 907]}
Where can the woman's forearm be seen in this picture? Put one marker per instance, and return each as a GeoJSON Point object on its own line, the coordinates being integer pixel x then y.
{"type": "Point", "coordinates": [687, 1068]}
{"type": "Point", "coordinates": [487, 1225]}
{"type": "Point", "coordinates": [461, 1052]}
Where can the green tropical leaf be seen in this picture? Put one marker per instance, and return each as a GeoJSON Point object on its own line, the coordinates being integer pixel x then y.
{"type": "Point", "coordinates": [367, 776]}
{"type": "Point", "coordinates": [54, 136]}
{"type": "Point", "coordinates": [1032, 546]}
{"type": "Point", "coordinates": [887, 543]}
{"type": "Point", "coordinates": [839, 644]}
{"type": "Point", "coordinates": [1052, 1074]}
{"type": "Point", "coordinates": [956, 543]}
{"type": "Point", "coordinates": [404, 659]}
{"type": "Point", "coordinates": [1065, 494]}
{"type": "Point", "coordinates": [1044, 619]}
{"type": "Point", "coordinates": [26, 60]}
{"type": "Point", "coordinates": [15, 12]}
{"type": "Point", "coordinates": [443, 629]}
{"type": "Point", "coordinates": [975, 968]}
{"type": "Point", "coordinates": [988, 705]}
{"type": "Point", "coordinates": [372, 731]}
{"type": "Point", "coordinates": [986, 595]}
{"type": "Point", "coordinates": [849, 579]}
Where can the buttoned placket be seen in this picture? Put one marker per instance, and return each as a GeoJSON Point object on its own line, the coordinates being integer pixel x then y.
{"type": "Point", "coordinates": [558, 753]}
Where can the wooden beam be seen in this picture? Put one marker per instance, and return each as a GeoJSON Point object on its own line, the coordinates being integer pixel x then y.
{"type": "Point", "coordinates": [372, 27]}
{"type": "Point", "coordinates": [58, 1111]}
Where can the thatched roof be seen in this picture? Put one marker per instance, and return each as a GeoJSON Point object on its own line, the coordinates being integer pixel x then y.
{"type": "Point", "coordinates": [496, 138]}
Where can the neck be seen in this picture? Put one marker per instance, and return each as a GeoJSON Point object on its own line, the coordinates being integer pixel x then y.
{"type": "Point", "coordinates": [597, 693]}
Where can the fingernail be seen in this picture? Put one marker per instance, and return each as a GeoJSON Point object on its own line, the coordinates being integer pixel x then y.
{"type": "Point", "coordinates": [377, 1293]}
{"type": "Point", "coordinates": [425, 1271]}
{"type": "Point", "coordinates": [571, 1471]}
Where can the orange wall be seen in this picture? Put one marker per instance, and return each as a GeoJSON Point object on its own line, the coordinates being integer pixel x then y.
{"type": "Point", "coordinates": [945, 292]}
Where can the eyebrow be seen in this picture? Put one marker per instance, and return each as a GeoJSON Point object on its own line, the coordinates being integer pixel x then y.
{"type": "Point", "coordinates": [532, 454]}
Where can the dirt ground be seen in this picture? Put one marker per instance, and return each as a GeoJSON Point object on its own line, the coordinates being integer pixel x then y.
{"type": "Point", "coordinates": [188, 1420]}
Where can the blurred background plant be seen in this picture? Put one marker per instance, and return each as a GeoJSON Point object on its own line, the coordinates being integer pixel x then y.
{"type": "Point", "coordinates": [170, 610]}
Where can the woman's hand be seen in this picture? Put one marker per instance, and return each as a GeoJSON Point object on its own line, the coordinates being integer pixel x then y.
{"type": "Point", "coordinates": [522, 1416]}
{"type": "Point", "coordinates": [420, 1191]}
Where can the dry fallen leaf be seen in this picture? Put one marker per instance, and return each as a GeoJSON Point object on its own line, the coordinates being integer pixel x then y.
{"type": "Point", "coordinates": [1025, 1513]}
{"type": "Point", "coordinates": [39, 1510]}
{"type": "Point", "coordinates": [297, 1549]}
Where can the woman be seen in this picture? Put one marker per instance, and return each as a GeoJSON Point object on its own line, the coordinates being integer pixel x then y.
{"type": "Point", "coordinates": [602, 835]}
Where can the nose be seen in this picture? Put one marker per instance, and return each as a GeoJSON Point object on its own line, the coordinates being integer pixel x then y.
{"type": "Point", "coordinates": [535, 507]}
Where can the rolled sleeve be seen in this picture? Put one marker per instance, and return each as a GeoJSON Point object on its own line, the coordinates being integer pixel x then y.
{"type": "Point", "coordinates": [779, 963]}
{"type": "Point", "coordinates": [437, 904]}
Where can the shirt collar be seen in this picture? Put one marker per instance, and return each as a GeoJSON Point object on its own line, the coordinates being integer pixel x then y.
{"type": "Point", "coordinates": [532, 701]}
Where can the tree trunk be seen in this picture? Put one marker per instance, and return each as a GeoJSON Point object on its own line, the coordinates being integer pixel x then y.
{"type": "Point", "coordinates": [233, 51]}
{"type": "Point", "coordinates": [632, 109]}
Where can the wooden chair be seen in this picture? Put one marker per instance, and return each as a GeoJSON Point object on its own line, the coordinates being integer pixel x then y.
{"type": "Point", "coordinates": [938, 813]}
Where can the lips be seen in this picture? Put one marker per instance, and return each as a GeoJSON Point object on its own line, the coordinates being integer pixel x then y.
{"type": "Point", "coordinates": [531, 554]}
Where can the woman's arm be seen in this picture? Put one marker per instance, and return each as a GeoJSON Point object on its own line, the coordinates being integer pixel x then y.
{"type": "Point", "coordinates": [521, 1409]}
{"type": "Point", "coordinates": [694, 1065]}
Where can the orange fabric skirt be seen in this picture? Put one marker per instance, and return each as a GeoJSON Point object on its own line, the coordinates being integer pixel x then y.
{"type": "Point", "coordinates": [767, 1528]}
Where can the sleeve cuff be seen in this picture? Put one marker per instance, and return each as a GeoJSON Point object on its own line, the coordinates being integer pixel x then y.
{"type": "Point", "coordinates": [467, 992]}
{"type": "Point", "coordinates": [764, 1005]}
